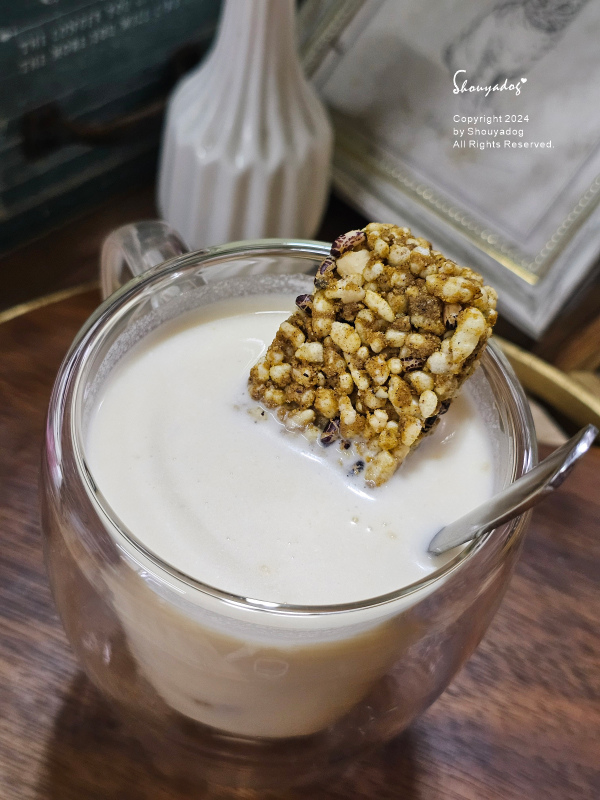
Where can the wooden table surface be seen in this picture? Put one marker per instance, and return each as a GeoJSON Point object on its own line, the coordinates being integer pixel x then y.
{"type": "Point", "coordinates": [522, 719]}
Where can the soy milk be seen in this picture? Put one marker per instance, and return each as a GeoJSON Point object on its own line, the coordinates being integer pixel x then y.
{"type": "Point", "coordinates": [227, 496]}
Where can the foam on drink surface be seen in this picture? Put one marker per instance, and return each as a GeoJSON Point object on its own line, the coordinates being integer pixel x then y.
{"type": "Point", "coordinates": [234, 500]}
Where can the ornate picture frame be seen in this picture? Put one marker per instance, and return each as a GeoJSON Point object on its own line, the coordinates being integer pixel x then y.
{"type": "Point", "coordinates": [473, 124]}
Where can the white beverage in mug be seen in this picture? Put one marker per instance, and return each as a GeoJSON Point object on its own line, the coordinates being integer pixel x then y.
{"type": "Point", "coordinates": [205, 483]}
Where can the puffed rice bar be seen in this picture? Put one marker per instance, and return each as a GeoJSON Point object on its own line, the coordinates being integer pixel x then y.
{"type": "Point", "coordinates": [377, 352]}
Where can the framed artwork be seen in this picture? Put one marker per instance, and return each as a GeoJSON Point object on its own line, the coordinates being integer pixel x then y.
{"type": "Point", "coordinates": [478, 124]}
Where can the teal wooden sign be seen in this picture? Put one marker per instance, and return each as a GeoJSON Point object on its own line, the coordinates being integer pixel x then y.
{"type": "Point", "coordinates": [89, 63]}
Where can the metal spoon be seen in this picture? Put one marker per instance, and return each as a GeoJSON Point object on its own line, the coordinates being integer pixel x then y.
{"type": "Point", "coordinates": [524, 493]}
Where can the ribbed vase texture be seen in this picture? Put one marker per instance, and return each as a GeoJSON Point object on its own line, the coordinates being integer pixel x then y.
{"type": "Point", "coordinates": [247, 142]}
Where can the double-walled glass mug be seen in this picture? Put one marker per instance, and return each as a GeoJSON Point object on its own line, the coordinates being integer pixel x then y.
{"type": "Point", "coordinates": [229, 689]}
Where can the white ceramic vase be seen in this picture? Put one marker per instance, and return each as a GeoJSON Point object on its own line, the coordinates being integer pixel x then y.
{"type": "Point", "coordinates": [247, 142]}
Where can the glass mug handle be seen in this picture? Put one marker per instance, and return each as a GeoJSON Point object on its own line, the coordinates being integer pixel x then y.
{"type": "Point", "coordinates": [135, 248]}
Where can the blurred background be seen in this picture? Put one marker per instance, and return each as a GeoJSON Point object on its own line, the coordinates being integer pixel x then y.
{"type": "Point", "coordinates": [84, 88]}
{"type": "Point", "coordinates": [311, 118]}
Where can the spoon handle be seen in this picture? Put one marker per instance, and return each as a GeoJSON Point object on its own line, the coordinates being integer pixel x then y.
{"type": "Point", "coordinates": [524, 493]}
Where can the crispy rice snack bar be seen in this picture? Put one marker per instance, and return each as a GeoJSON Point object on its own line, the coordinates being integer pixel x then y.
{"type": "Point", "coordinates": [378, 351]}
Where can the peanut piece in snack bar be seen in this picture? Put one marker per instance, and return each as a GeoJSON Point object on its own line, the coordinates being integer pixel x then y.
{"type": "Point", "coordinates": [377, 352]}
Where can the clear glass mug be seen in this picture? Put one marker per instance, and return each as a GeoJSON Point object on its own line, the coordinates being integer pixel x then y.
{"type": "Point", "coordinates": [227, 689]}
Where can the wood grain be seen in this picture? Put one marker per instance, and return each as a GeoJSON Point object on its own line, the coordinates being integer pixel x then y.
{"type": "Point", "coordinates": [68, 255]}
{"type": "Point", "coordinates": [583, 350]}
{"type": "Point", "coordinates": [522, 719]}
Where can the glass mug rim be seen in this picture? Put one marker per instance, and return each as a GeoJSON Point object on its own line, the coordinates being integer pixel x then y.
{"type": "Point", "coordinates": [106, 316]}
